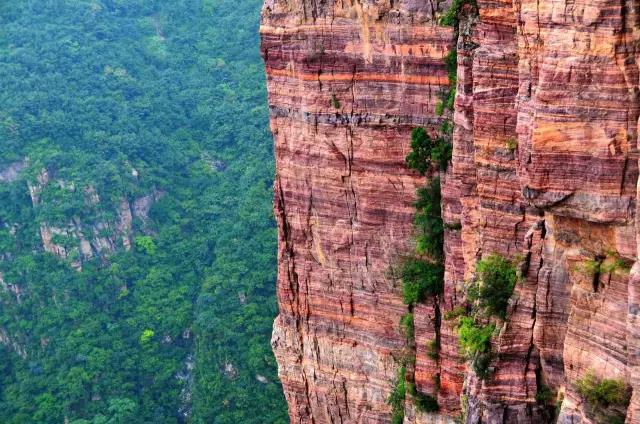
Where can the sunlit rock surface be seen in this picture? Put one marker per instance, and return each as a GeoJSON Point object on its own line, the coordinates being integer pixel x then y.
{"type": "Point", "coordinates": [545, 168]}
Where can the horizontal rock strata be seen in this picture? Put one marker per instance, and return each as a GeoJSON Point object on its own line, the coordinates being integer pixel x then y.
{"type": "Point", "coordinates": [544, 169]}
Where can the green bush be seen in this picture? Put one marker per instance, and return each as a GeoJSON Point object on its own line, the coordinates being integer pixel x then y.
{"type": "Point", "coordinates": [426, 151]}
{"type": "Point", "coordinates": [475, 342]}
{"type": "Point", "coordinates": [425, 403]}
{"type": "Point", "coordinates": [614, 263]}
{"type": "Point", "coordinates": [609, 264]}
{"type": "Point", "coordinates": [455, 313]}
{"type": "Point", "coordinates": [428, 221]}
{"type": "Point", "coordinates": [480, 364]}
{"type": "Point", "coordinates": [497, 280]}
{"type": "Point", "coordinates": [474, 338]}
{"type": "Point", "coordinates": [406, 325]}
{"type": "Point", "coordinates": [449, 102]}
{"type": "Point", "coordinates": [441, 154]}
{"type": "Point", "coordinates": [419, 158]}
{"type": "Point", "coordinates": [420, 278]}
{"type": "Point", "coordinates": [447, 99]}
{"type": "Point", "coordinates": [422, 401]}
{"type": "Point", "coordinates": [146, 244]}
{"type": "Point", "coordinates": [335, 102]}
{"type": "Point", "coordinates": [498, 277]}
{"type": "Point", "coordinates": [446, 128]}
{"type": "Point", "coordinates": [397, 397]}
{"type": "Point", "coordinates": [451, 63]}
{"type": "Point", "coordinates": [450, 17]}
{"type": "Point", "coordinates": [146, 336]}
{"type": "Point", "coordinates": [607, 399]}
{"type": "Point", "coordinates": [433, 349]}
{"type": "Point", "coordinates": [545, 394]}
{"type": "Point", "coordinates": [407, 358]}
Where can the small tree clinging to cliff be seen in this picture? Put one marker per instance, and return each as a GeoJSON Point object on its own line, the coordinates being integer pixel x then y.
{"type": "Point", "coordinates": [490, 297]}
{"type": "Point", "coordinates": [419, 158]}
{"type": "Point", "coordinates": [428, 221]}
{"type": "Point", "coordinates": [474, 338]}
{"type": "Point", "coordinates": [397, 397]}
{"type": "Point", "coordinates": [427, 152]}
{"type": "Point", "coordinates": [607, 399]}
{"type": "Point", "coordinates": [420, 278]}
{"type": "Point", "coordinates": [498, 278]}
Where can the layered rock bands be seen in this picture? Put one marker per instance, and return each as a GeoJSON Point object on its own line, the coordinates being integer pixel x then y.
{"type": "Point", "coordinates": [545, 168]}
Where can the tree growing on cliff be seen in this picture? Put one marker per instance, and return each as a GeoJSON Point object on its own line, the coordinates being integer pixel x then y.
{"type": "Point", "coordinates": [397, 397]}
{"type": "Point", "coordinates": [427, 152]}
{"type": "Point", "coordinates": [419, 158]}
{"type": "Point", "coordinates": [146, 244]}
{"type": "Point", "coordinates": [607, 399]}
{"type": "Point", "coordinates": [497, 279]}
{"type": "Point", "coordinates": [428, 221]}
{"type": "Point", "coordinates": [475, 342]}
{"type": "Point", "coordinates": [421, 278]}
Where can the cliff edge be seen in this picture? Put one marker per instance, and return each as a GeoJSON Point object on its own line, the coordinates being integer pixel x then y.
{"type": "Point", "coordinates": [544, 171]}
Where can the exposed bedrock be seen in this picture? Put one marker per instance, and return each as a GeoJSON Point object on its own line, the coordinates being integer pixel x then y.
{"type": "Point", "coordinates": [544, 169]}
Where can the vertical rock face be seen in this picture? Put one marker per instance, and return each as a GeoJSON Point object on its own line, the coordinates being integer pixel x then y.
{"type": "Point", "coordinates": [545, 167]}
{"type": "Point", "coordinates": [347, 82]}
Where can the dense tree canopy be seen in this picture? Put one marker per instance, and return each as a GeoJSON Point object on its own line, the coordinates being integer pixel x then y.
{"type": "Point", "coordinates": [127, 98]}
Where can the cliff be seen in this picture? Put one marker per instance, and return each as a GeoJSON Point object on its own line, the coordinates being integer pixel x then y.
{"type": "Point", "coordinates": [94, 230]}
{"type": "Point", "coordinates": [544, 171]}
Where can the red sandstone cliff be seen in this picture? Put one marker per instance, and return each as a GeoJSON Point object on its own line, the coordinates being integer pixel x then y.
{"type": "Point", "coordinates": [347, 81]}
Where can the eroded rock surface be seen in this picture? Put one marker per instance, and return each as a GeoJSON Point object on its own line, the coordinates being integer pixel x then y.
{"type": "Point", "coordinates": [80, 241]}
{"type": "Point", "coordinates": [545, 168]}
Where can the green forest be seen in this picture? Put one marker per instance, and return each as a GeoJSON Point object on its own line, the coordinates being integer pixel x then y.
{"type": "Point", "coordinates": [137, 241]}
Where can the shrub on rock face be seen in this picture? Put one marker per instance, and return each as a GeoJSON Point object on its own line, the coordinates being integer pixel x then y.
{"type": "Point", "coordinates": [426, 151]}
{"type": "Point", "coordinates": [441, 154]}
{"type": "Point", "coordinates": [422, 401]}
{"type": "Point", "coordinates": [456, 312]}
{"type": "Point", "coordinates": [475, 342]}
{"type": "Point", "coordinates": [428, 221]}
{"type": "Point", "coordinates": [426, 403]}
{"type": "Point", "coordinates": [433, 349]}
{"type": "Point", "coordinates": [419, 158]}
{"type": "Point", "coordinates": [607, 399]}
{"type": "Point", "coordinates": [480, 364]}
{"type": "Point", "coordinates": [489, 297]}
{"type": "Point", "coordinates": [420, 279]}
{"type": "Point", "coordinates": [451, 16]}
{"type": "Point", "coordinates": [544, 394]}
{"type": "Point", "coordinates": [397, 397]}
{"type": "Point", "coordinates": [406, 324]}
{"type": "Point", "coordinates": [474, 338]}
{"type": "Point", "coordinates": [498, 278]}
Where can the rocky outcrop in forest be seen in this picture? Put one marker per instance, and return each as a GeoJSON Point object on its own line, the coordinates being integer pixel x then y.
{"type": "Point", "coordinates": [98, 233]}
{"type": "Point", "coordinates": [543, 173]}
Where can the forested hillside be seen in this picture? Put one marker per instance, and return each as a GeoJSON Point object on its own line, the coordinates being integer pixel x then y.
{"type": "Point", "coordinates": [137, 243]}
